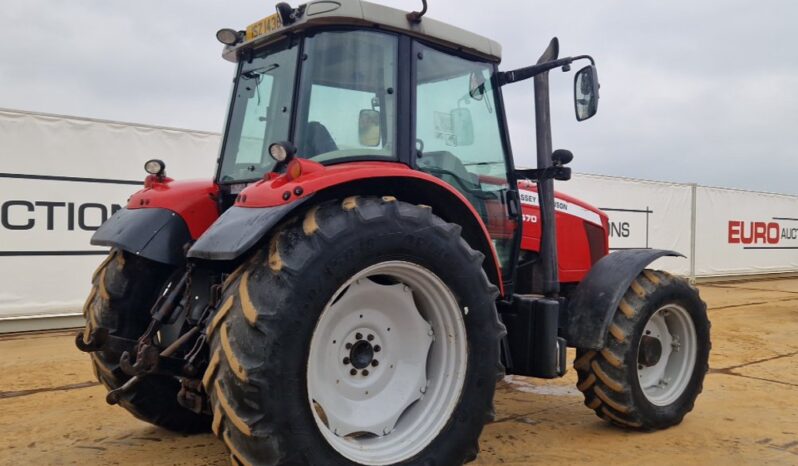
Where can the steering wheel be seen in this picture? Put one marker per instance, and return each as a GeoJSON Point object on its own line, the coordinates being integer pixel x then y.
{"type": "Point", "coordinates": [478, 193]}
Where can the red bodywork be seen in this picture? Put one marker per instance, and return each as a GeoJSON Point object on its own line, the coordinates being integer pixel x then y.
{"type": "Point", "coordinates": [577, 251]}
{"type": "Point", "coordinates": [197, 203]}
{"type": "Point", "coordinates": [304, 178]}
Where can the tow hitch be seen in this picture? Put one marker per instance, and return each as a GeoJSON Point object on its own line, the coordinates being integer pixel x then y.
{"type": "Point", "coordinates": [142, 357]}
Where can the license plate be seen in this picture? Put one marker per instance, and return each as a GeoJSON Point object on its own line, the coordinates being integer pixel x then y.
{"type": "Point", "coordinates": [264, 26]}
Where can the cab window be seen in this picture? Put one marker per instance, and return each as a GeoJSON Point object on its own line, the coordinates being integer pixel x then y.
{"type": "Point", "coordinates": [260, 113]}
{"type": "Point", "coordinates": [347, 103]}
{"type": "Point", "coordinates": [458, 137]}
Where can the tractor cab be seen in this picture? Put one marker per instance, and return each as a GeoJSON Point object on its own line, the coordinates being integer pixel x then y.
{"type": "Point", "coordinates": [341, 88]}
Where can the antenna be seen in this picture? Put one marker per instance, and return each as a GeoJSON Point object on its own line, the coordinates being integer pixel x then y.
{"type": "Point", "coordinates": [415, 17]}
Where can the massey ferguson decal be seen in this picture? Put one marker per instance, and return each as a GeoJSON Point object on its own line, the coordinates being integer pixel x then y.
{"type": "Point", "coordinates": [560, 205]}
{"type": "Point", "coordinates": [777, 233]}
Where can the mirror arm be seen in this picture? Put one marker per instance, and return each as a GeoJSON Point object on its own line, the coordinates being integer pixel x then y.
{"type": "Point", "coordinates": [585, 57]}
{"type": "Point", "coordinates": [521, 74]}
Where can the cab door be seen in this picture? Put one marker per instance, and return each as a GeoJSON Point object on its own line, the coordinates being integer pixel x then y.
{"type": "Point", "coordinates": [460, 139]}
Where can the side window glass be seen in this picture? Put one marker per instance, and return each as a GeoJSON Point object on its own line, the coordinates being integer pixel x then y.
{"type": "Point", "coordinates": [347, 106]}
{"type": "Point", "coordinates": [253, 130]}
{"type": "Point", "coordinates": [339, 111]}
{"type": "Point", "coordinates": [459, 137]}
{"type": "Point", "coordinates": [260, 113]}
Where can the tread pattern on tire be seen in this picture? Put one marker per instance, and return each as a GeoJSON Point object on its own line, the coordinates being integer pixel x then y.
{"type": "Point", "coordinates": [239, 419]}
{"type": "Point", "coordinates": [123, 289]}
{"type": "Point", "coordinates": [602, 375]}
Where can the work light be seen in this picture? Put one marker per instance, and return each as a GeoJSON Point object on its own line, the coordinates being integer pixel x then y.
{"type": "Point", "coordinates": [155, 167]}
{"type": "Point", "coordinates": [282, 151]}
{"type": "Point", "coordinates": [228, 36]}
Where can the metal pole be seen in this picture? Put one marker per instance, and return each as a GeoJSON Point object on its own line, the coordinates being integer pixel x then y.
{"type": "Point", "coordinates": [548, 240]}
{"type": "Point", "coordinates": [693, 216]}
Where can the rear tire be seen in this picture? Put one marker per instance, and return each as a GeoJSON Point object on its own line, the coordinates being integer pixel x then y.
{"type": "Point", "coordinates": [124, 289]}
{"type": "Point", "coordinates": [263, 336]}
{"type": "Point", "coordinates": [654, 384]}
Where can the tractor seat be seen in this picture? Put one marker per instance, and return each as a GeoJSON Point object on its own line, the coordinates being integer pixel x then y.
{"type": "Point", "coordinates": [317, 140]}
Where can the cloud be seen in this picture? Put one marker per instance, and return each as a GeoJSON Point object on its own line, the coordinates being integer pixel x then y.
{"type": "Point", "coordinates": [699, 92]}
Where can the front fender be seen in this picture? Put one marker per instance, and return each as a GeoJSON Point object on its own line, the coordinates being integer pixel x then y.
{"type": "Point", "coordinates": [593, 303]}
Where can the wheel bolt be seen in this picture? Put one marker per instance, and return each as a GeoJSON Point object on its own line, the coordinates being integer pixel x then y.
{"type": "Point", "coordinates": [346, 360]}
{"type": "Point", "coordinates": [370, 337]}
{"type": "Point", "coordinates": [353, 372]}
{"type": "Point", "coordinates": [365, 372]}
{"type": "Point", "coordinates": [348, 346]}
{"type": "Point", "coordinates": [377, 348]}
{"type": "Point", "coordinates": [358, 336]}
{"type": "Point", "coordinates": [375, 363]}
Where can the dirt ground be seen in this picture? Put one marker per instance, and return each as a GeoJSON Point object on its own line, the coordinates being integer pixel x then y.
{"type": "Point", "coordinates": [52, 411]}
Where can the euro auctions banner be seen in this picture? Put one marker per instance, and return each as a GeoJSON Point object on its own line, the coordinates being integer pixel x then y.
{"type": "Point", "coordinates": [743, 233]}
{"type": "Point", "coordinates": [643, 214]}
{"type": "Point", "coordinates": [60, 178]}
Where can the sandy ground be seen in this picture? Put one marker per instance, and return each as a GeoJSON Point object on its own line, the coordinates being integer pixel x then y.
{"type": "Point", "coordinates": [52, 411]}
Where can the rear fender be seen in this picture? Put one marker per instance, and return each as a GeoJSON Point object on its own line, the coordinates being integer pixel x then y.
{"type": "Point", "coordinates": [156, 234]}
{"type": "Point", "coordinates": [261, 206]}
{"type": "Point", "coordinates": [593, 303]}
{"type": "Point", "coordinates": [161, 219]}
{"type": "Point", "coordinates": [195, 201]}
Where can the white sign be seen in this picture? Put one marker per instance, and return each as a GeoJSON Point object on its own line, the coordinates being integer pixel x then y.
{"type": "Point", "coordinates": [741, 232]}
{"type": "Point", "coordinates": [642, 214]}
{"type": "Point", "coordinates": [60, 178]}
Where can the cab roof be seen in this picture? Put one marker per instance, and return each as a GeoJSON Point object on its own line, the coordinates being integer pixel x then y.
{"type": "Point", "coordinates": [368, 15]}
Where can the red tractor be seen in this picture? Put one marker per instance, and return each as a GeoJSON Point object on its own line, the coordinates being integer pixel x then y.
{"type": "Point", "coordinates": [368, 262]}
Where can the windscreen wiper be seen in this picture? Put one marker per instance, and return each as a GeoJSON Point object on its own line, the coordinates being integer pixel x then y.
{"type": "Point", "coordinates": [258, 72]}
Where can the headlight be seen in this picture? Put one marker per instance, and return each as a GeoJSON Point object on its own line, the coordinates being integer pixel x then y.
{"type": "Point", "coordinates": [282, 151]}
{"type": "Point", "coordinates": [154, 167]}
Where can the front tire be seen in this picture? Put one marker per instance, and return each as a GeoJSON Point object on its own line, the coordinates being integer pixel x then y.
{"type": "Point", "coordinates": [338, 301]}
{"type": "Point", "coordinates": [652, 369]}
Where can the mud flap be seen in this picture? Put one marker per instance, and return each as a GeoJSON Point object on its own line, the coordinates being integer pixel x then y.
{"type": "Point", "coordinates": [153, 233]}
{"type": "Point", "coordinates": [238, 229]}
{"type": "Point", "coordinates": [593, 303]}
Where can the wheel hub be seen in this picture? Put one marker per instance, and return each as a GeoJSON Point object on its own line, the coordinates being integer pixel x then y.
{"type": "Point", "coordinates": [650, 351]}
{"type": "Point", "coordinates": [377, 374]}
{"type": "Point", "coordinates": [379, 383]}
{"type": "Point", "coordinates": [666, 355]}
{"type": "Point", "coordinates": [362, 353]}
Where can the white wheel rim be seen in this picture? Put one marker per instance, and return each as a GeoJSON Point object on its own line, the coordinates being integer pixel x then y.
{"type": "Point", "coordinates": [665, 381]}
{"type": "Point", "coordinates": [402, 403]}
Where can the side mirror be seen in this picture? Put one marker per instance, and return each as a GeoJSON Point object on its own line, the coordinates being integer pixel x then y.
{"type": "Point", "coordinates": [586, 92]}
{"type": "Point", "coordinates": [476, 85]}
{"type": "Point", "coordinates": [462, 127]}
{"type": "Point", "coordinates": [368, 128]}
